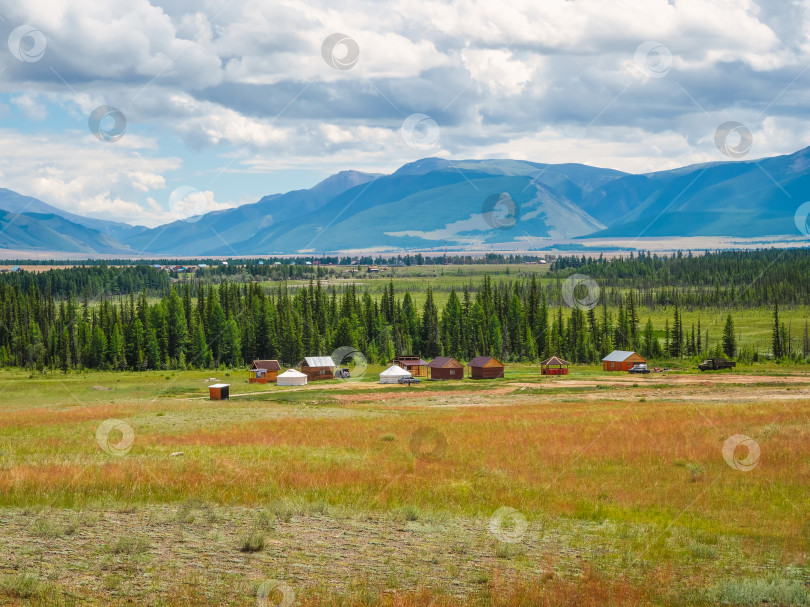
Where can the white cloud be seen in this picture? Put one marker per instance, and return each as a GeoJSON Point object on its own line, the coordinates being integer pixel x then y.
{"type": "Point", "coordinates": [30, 106]}
{"type": "Point", "coordinates": [547, 81]}
{"type": "Point", "coordinates": [83, 175]}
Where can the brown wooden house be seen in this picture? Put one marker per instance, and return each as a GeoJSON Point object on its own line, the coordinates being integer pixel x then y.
{"type": "Point", "coordinates": [445, 367]}
{"type": "Point", "coordinates": [621, 360]}
{"type": "Point", "coordinates": [554, 366]}
{"type": "Point", "coordinates": [413, 364]}
{"type": "Point", "coordinates": [263, 371]}
{"type": "Point", "coordinates": [219, 391]}
{"type": "Point", "coordinates": [318, 367]}
{"type": "Point", "coordinates": [485, 367]}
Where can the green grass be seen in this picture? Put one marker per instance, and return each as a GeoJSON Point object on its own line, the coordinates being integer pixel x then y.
{"type": "Point", "coordinates": [627, 478]}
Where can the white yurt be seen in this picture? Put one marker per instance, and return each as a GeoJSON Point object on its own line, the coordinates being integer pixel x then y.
{"type": "Point", "coordinates": [291, 377]}
{"type": "Point", "coordinates": [392, 374]}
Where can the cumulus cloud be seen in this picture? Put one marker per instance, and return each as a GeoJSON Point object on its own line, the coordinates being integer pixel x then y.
{"type": "Point", "coordinates": [551, 81]}
{"type": "Point", "coordinates": [82, 175]}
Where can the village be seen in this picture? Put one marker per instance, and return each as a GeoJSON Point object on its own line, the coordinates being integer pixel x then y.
{"type": "Point", "coordinates": [411, 370]}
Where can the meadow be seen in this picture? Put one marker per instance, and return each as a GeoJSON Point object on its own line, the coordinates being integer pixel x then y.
{"type": "Point", "coordinates": [589, 489]}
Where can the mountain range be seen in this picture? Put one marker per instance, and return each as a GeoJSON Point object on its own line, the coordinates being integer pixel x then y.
{"type": "Point", "coordinates": [435, 202]}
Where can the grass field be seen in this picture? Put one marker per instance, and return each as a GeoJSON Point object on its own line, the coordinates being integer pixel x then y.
{"type": "Point", "coordinates": [616, 490]}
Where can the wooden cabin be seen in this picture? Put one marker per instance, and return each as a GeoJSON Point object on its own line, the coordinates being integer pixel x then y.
{"type": "Point", "coordinates": [263, 371]}
{"type": "Point", "coordinates": [621, 360]}
{"type": "Point", "coordinates": [485, 367]}
{"type": "Point", "coordinates": [413, 364]}
{"type": "Point", "coordinates": [446, 367]}
{"type": "Point", "coordinates": [554, 366]}
{"type": "Point", "coordinates": [219, 391]}
{"type": "Point", "coordinates": [318, 367]}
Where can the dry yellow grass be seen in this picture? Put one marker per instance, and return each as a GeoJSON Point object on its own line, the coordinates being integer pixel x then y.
{"type": "Point", "coordinates": [633, 479]}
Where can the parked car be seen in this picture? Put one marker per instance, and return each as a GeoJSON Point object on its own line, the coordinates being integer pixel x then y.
{"type": "Point", "coordinates": [639, 368]}
{"type": "Point", "coordinates": [343, 373]}
{"type": "Point", "coordinates": [712, 364]}
{"type": "Point", "coordinates": [410, 380]}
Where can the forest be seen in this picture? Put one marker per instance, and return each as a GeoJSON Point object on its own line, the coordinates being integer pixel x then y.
{"type": "Point", "coordinates": [100, 317]}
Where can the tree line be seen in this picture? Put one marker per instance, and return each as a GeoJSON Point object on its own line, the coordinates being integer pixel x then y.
{"type": "Point", "coordinates": [231, 324]}
{"type": "Point", "coordinates": [722, 278]}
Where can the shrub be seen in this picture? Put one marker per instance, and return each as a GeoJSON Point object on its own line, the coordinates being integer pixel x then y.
{"type": "Point", "coordinates": [252, 542]}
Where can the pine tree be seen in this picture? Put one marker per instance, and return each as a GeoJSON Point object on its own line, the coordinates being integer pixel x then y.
{"type": "Point", "coordinates": [632, 320]}
{"type": "Point", "coordinates": [177, 326]}
{"type": "Point", "coordinates": [98, 349]}
{"type": "Point", "coordinates": [729, 339]}
{"type": "Point", "coordinates": [777, 345]}
{"type": "Point", "coordinates": [431, 343]}
{"type": "Point", "coordinates": [648, 338]}
{"type": "Point", "coordinates": [116, 348]}
{"type": "Point", "coordinates": [201, 356]}
{"type": "Point", "coordinates": [230, 344]}
{"type": "Point", "coordinates": [152, 350]}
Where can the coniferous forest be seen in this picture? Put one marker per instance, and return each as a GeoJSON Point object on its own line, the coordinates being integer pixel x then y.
{"type": "Point", "coordinates": [137, 317]}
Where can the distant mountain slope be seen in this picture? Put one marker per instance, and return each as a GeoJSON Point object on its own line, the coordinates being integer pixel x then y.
{"type": "Point", "coordinates": [17, 203]}
{"type": "Point", "coordinates": [50, 232]}
{"type": "Point", "coordinates": [742, 199]}
{"type": "Point", "coordinates": [220, 230]}
{"type": "Point", "coordinates": [424, 204]}
{"type": "Point", "coordinates": [435, 202]}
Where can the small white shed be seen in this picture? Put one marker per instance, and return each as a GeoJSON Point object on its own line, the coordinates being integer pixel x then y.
{"type": "Point", "coordinates": [291, 377]}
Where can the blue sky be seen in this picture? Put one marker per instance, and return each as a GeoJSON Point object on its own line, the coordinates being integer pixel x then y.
{"type": "Point", "coordinates": [241, 99]}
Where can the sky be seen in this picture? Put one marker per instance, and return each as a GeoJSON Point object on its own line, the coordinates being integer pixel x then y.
{"type": "Point", "coordinates": [132, 111]}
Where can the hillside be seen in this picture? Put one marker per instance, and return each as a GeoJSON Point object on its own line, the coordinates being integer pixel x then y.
{"type": "Point", "coordinates": [50, 232]}
{"type": "Point", "coordinates": [435, 202]}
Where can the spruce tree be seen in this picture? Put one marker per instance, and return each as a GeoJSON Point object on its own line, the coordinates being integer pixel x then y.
{"type": "Point", "coordinates": [729, 339]}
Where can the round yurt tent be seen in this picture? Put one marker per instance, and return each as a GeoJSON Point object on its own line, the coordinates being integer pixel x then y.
{"type": "Point", "coordinates": [392, 374]}
{"type": "Point", "coordinates": [291, 377]}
